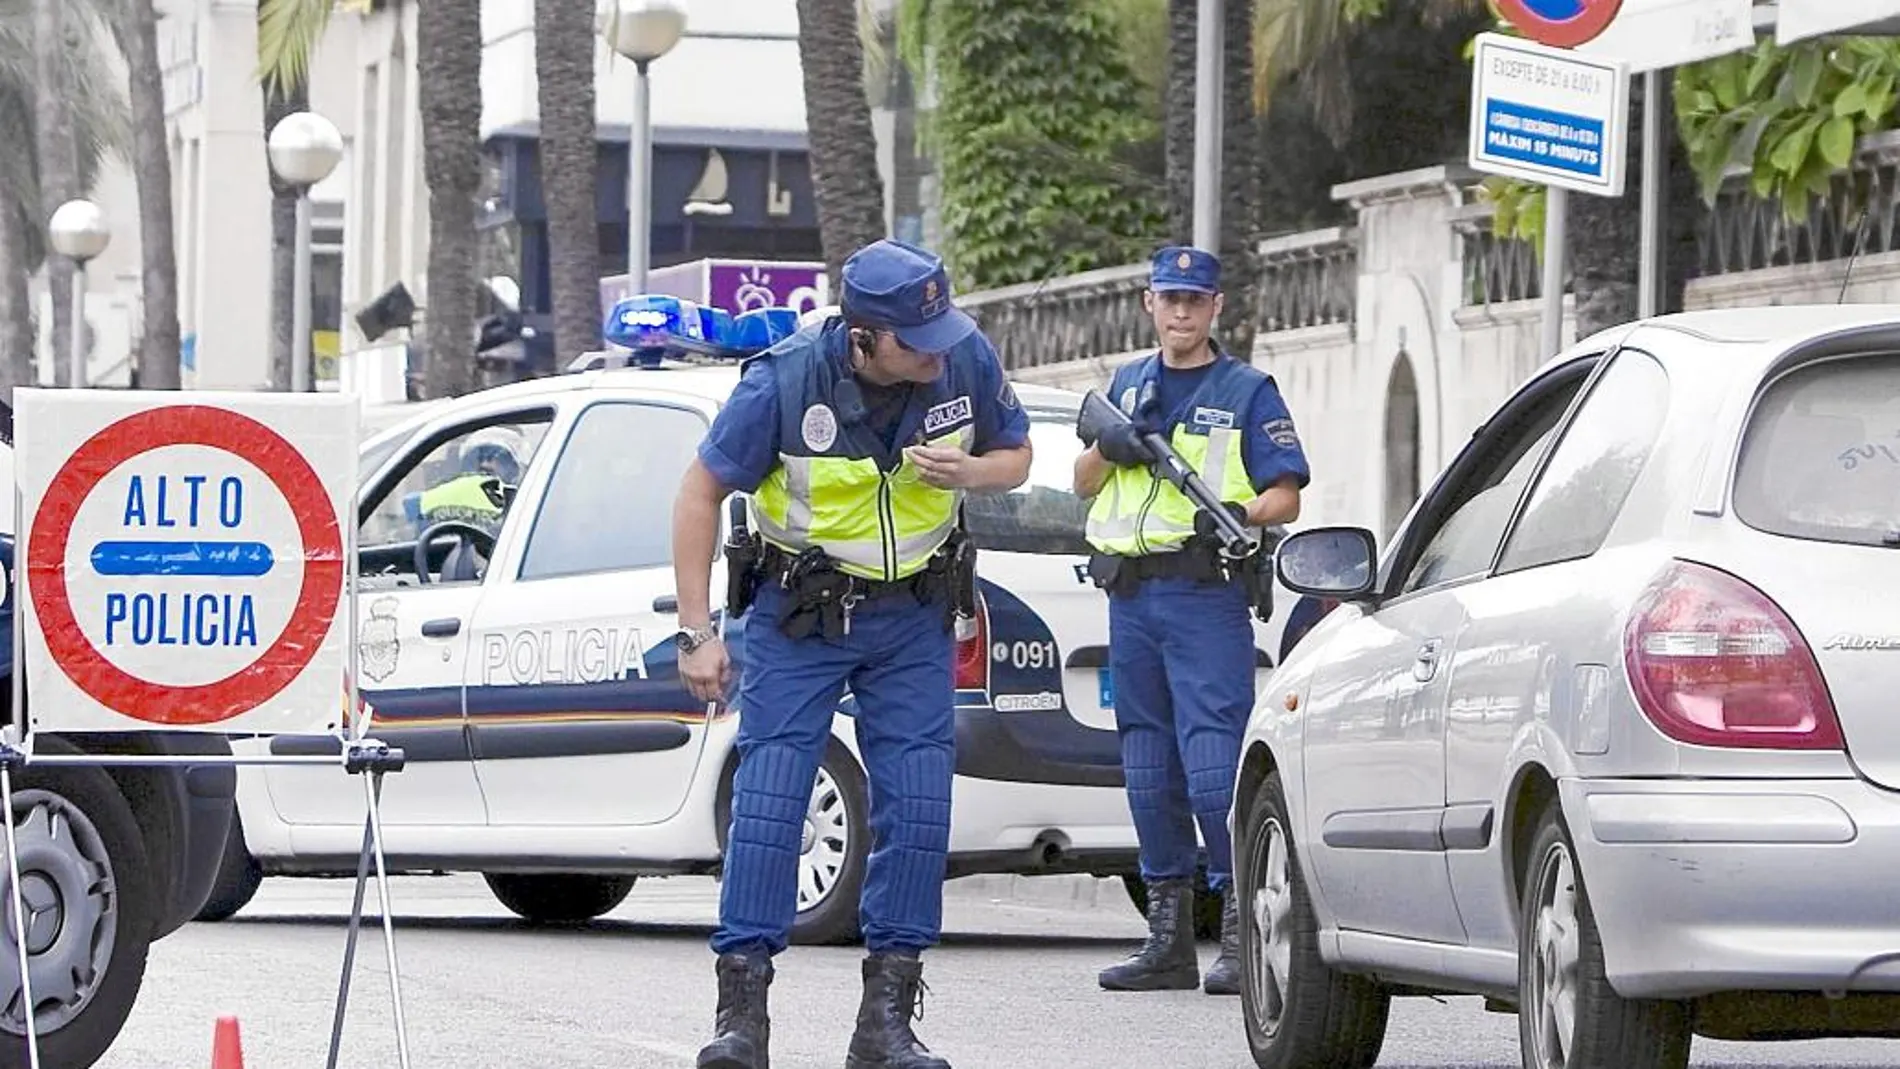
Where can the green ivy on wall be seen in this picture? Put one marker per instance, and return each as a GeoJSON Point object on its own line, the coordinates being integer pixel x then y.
{"type": "Point", "coordinates": [1034, 101]}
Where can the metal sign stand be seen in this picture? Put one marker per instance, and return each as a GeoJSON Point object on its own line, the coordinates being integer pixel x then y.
{"type": "Point", "coordinates": [360, 756]}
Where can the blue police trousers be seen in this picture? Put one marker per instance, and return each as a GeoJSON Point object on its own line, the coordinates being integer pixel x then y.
{"type": "Point", "coordinates": [1182, 657]}
{"type": "Point", "coordinates": [897, 664]}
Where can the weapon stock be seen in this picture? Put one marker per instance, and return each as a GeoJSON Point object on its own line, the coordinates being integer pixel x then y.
{"type": "Point", "coordinates": [1098, 415]}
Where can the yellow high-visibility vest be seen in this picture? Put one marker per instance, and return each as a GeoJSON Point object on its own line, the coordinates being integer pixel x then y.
{"type": "Point", "coordinates": [877, 521]}
{"type": "Point", "coordinates": [1137, 513]}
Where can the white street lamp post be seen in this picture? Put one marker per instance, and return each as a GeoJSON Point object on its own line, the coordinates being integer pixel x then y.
{"type": "Point", "coordinates": [642, 31]}
{"type": "Point", "coordinates": [79, 231]}
{"type": "Point", "coordinates": [304, 148]}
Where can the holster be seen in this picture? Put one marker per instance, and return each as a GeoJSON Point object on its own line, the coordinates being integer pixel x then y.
{"type": "Point", "coordinates": [744, 559]}
{"type": "Point", "coordinates": [1255, 572]}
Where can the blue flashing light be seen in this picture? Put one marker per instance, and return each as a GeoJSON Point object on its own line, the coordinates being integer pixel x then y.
{"type": "Point", "coordinates": [657, 327]}
{"type": "Point", "coordinates": [762, 328]}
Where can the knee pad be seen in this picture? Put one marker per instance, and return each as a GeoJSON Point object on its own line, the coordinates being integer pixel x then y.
{"type": "Point", "coordinates": [920, 812]}
{"type": "Point", "coordinates": [1150, 767]}
{"type": "Point", "coordinates": [771, 792]}
{"type": "Point", "coordinates": [1212, 760]}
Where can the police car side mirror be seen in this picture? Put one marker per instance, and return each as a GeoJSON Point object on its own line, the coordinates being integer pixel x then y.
{"type": "Point", "coordinates": [1329, 562]}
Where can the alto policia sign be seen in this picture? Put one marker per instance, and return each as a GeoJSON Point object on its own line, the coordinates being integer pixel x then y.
{"type": "Point", "coordinates": [185, 559]}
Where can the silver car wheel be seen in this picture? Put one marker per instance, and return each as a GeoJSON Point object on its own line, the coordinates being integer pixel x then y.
{"type": "Point", "coordinates": [1556, 948]}
{"type": "Point", "coordinates": [1271, 963]}
{"type": "Point", "coordinates": [70, 902]}
{"type": "Point", "coordinates": [826, 842]}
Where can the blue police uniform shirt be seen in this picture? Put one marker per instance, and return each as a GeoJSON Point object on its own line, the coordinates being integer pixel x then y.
{"type": "Point", "coordinates": [1269, 443]}
{"type": "Point", "coordinates": [742, 447]}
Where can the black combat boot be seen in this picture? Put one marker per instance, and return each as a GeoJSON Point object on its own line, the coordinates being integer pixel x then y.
{"type": "Point", "coordinates": [1167, 961]}
{"type": "Point", "coordinates": [892, 987]}
{"type": "Point", "coordinates": [1223, 977]}
{"type": "Point", "coordinates": [742, 1032]}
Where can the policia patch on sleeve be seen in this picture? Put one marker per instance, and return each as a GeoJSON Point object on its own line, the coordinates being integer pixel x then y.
{"type": "Point", "coordinates": [1281, 433]}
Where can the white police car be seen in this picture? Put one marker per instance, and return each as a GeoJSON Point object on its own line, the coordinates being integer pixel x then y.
{"type": "Point", "coordinates": [533, 686]}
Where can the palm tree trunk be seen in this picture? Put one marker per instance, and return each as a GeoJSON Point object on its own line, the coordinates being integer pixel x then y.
{"type": "Point", "coordinates": [1178, 118]}
{"type": "Point", "coordinates": [564, 46]}
{"type": "Point", "coordinates": [16, 308]}
{"type": "Point", "coordinates": [449, 89]}
{"type": "Point", "coordinates": [845, 178]}
{"type": "Point", "coordinates": [1240, 183]}
{"type": "Point", "coordinates": [59, 168]}
{"type": "Point", "coordinates": [283, 240]}
{"type": "Point", "coordinates": [136, 31]}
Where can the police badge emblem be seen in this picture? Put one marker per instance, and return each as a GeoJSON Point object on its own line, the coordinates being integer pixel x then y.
{"type": "Point", "coordinates": [1184, 261]}
{"type": "Point", "coordinates": [378, 644]}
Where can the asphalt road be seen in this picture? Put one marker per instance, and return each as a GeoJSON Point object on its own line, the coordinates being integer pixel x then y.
{"type": "Point", "coordinates": [1013, 985]}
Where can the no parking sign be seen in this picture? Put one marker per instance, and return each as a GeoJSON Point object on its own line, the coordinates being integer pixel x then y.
{"type": "Point", "coordinates": [184, 558]}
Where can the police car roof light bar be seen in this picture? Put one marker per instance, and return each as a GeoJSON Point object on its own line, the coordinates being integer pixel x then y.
{"type": "Point", "coordinates": [653, 328]}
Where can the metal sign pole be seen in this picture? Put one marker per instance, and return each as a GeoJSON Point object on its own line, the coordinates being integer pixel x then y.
{"type": "Point", "coordinates": [1650, 256]}
{"type": "Point", "coordinates": [1556, 253]}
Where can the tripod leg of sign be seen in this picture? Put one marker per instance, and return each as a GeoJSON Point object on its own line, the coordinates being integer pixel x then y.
{"type": "Point", "coordinates": [18, 910]}
{"type": "Point", "coordinates": [372, 759]}
{"type": "Point", "coordinates": [349, 942]}
{"type": "Point", "coordinates": [373, 790]}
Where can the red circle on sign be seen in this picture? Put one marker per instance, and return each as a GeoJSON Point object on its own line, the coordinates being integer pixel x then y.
{"type": "Point", "coordinates": [248, 687]}
{"type": "Point", "coordinates": [1581, 28]}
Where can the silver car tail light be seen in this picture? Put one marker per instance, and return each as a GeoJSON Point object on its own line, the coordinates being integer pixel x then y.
{"type": "Point", "coordinates": [1714, 662]}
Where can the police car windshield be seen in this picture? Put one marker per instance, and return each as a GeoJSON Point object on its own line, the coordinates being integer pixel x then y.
{"type": "Point", "coordinates": [1043, 515]}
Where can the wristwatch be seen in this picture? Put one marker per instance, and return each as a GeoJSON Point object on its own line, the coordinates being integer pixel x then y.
{"type": "Point", "coordinates": [692, 638]}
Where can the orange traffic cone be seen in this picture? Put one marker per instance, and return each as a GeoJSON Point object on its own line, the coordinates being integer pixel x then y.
{"type": "Point", "coordinates": [227, 1050]}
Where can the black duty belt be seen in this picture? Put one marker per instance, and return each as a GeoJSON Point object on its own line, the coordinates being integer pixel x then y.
{"type": "Point", "coordinates": [1123, 575]}
{"type": "Point", "coordinates": [822, 596]}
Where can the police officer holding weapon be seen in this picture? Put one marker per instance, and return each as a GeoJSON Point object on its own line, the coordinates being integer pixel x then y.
{"type": "Point", "coordinates": [1195, 454]}
{"type": "Point", "coordinates": [857, 438]}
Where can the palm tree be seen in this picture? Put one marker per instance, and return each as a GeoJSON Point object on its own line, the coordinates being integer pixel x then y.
{"type": "Point", "coordinates": [845, 178]}
{"type": "Point", "coordinates": [56, 31]}
{"type": "Point", "coordinates": [564, 50]}
{"type": "Point", "coordinates": [96, 113]}
{"type": "Point", "coordinates": [288, 32]}
{"type": "Point", "coordinates": [136, 31]}
{"type": "Point", "coordinates": [449, 87]}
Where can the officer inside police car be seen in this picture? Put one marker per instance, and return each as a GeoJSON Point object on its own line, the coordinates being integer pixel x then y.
{"type": "Point", "coordinates": [857, 437]}
{"type": "Point", "coordinates": [1181, 643]}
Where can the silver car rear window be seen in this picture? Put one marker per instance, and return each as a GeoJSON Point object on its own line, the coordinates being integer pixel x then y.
{"type": "Point", "coordinates": [1820, 457]}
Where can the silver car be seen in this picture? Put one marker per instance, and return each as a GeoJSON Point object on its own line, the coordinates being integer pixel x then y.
{"type": "Point", "coordinates": [1610, 734]}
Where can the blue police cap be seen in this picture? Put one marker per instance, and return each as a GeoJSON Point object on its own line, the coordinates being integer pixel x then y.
{"type": "Point", "coordinates": [901, 288]}
{"type": "Point", "coordinates": [1183, 267]}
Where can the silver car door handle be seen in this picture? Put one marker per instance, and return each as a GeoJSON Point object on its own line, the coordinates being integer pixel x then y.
{"type": "Point", "coordinates": [1426, 666]}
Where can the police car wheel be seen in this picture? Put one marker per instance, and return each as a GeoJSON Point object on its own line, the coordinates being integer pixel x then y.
{"type": "Point", "coordinates": [90, 912]}
{"type": "Point", "coordinates": [238, 878]}
{"type": "Point", "coordinates": [1568, 1015]}
{"type": "Point", "coordinates": [1298, 1010]}
{"type": "Point", "coordinates": [833, 847]}
{"type": "Point", "coordinates": [558, 898]}
{"type": "Point", "coordinates": [1206, 904]}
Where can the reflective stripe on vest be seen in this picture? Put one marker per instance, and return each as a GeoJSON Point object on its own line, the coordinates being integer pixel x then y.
{"type": "Point", "coordinates": [874, 525]}
{"type": "Point", "coordinates": [1137, 513]}
{"type": "Point", "coordinates": [461, 498]}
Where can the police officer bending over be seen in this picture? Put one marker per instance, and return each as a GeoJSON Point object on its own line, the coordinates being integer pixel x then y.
{"type": "Point", "coordinates": [857, 437]}
{"type": "Point", "coordinates": [1181, 646]}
